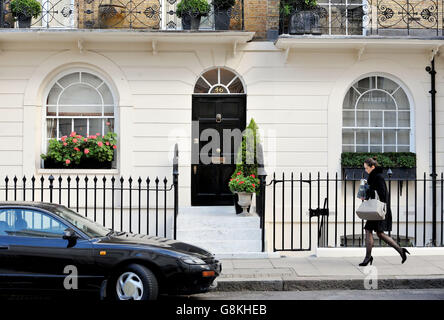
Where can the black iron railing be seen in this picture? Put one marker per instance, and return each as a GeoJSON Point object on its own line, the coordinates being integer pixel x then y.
{"type": "Point", "coordinates": [134, 205]}
{"type": "Point", "coordinates": [310, 210]}
{"type": "Point", "coordinates": [364, 18]}
{"type": "Point", "coordinates": [120, 14]}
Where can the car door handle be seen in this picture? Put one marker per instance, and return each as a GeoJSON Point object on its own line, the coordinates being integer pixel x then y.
{"type": "Point", "coordinates": [4, 247]}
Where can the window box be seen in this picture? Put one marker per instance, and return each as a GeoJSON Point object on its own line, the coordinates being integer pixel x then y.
{"type": "Point", "coordinates": [86, 164]}
{"type": "Point", "coordinates": [398, 173]}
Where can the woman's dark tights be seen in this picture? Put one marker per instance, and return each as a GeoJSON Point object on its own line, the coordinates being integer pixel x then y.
{"type": "Point", "coordinates": [369, 242]}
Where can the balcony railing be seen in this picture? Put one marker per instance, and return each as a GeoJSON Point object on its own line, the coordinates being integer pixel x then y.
{"type": "Point", "coordinates": [115, 14]}
{"type": "Point", "coordinates": [422, 18]}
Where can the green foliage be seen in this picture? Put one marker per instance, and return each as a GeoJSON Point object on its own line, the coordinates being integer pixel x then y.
{"type": "Point", "coordinates": [385, 159]}
{"type": "Point", "coordinates": [193, 7]}
{"type": "Point", "coordinates": [246, 159]}
{"type": "Point", "coordinates": [224, 4]}
{"type": "Point", "coordinates": [27, 8]}
{"type": "Point", "coordinates": [287, 7]}
{"type": "Point", "coordinates": [75, 148]}
{"type": "Point", "coordinates": [241, 183]}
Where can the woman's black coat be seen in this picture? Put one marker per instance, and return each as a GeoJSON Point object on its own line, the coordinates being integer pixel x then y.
{"type": "Point", "coordinates": [376, 182]}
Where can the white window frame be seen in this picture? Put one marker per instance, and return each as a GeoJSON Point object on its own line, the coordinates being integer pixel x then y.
{"type": "Point", "coordinates": [383, 128]}
{"type": "Point", "coordinates": [45, 138]}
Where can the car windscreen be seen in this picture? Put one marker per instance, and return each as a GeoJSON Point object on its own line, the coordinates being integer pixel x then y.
{"type": "Point", "coordinates": [90, 228]}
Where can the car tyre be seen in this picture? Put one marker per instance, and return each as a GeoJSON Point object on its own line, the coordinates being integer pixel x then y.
{"type": "Point", "coordinates": [133, 282]}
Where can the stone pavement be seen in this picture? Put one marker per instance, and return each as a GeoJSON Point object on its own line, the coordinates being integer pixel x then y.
{"type": "Point", "coordinates": [318, 273]}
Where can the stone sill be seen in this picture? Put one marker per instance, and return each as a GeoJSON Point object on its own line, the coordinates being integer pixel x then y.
{"type": "Point", "coordinates": [75, 172]}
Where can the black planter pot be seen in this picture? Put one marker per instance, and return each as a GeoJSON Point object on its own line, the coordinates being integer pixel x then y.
{"type": "Point", "coordinates": [397, 173]}
{"type": "Point", "coordinates": [87, 164]}
{"type": "Point", "coordinates": [190, 21]}
{"type": "Point", "coordinates": [24, 21]}
{"type": "Point", "coordinates": [222, 17]}
{"type": "Point", "coordinates": [237, 206]}
{"type": "Point", "coordinates": [305, 22]}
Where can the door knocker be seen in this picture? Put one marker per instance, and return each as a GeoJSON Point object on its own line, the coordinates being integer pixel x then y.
{"type": "Point", "coordinates": [218, 118]}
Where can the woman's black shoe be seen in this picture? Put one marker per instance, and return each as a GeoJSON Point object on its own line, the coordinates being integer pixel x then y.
{"type": "Point", "coordinates": [366, 261]}
{"type": "Point", "coordinates": [403, 254]}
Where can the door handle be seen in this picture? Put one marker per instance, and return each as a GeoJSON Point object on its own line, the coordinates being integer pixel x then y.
{"type": "Point", "coordinates": [194, 169]}
{"type": "Point", "coordinates": [4, 247]}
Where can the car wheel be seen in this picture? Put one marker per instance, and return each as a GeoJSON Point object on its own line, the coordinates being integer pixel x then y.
{"type": "Point", "coordinates": [134, 282]}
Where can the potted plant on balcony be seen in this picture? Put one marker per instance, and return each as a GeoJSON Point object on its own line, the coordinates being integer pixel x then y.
{"type": "Point", "coordinates": [78, 152]}
{"type": "Point", "coordinates": [303, 16]}
{"type": "Point", "coordinates": [24, 10]}
{"type": "Point", "coordinates": [222, 13]}
{"type": "Point", "coordinates": [244, 187]}
{"type": "Point", "coordinates": [191, 11]}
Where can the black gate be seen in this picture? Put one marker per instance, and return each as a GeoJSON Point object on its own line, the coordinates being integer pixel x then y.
{"type": "Point", "coordinates": [310, 210]}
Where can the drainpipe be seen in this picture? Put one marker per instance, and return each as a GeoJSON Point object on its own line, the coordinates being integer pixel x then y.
{"type": "Point", "coordinates": [431, 70]}
{"type": "Point", "coordinates": [1, 14]}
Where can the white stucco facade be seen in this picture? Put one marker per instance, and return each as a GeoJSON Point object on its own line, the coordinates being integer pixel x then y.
{"type": "Point", "coordinates": [294, 95]}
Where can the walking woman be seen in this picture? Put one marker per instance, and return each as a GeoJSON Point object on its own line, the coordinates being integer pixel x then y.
{"type": "Point", "coordinates": [377, 183]}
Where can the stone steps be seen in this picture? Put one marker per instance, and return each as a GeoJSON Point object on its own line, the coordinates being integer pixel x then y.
{"type": "Point", "coordinates": [219, 230]}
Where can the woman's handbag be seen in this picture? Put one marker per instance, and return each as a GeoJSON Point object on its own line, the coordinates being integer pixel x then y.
{"type": "Point", "coordinates": [372, 209]}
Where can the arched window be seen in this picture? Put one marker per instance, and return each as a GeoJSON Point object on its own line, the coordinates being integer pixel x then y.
{"type": "Point", "coordinates": [219, 80]}
{"type": "Point", "coordinates": [80, 102]}
{"type": "Point", "coordinates": [376, 117]}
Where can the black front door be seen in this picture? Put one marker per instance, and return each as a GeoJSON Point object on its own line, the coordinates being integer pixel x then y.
{"type": "Point", "coordinates": [209, 179]}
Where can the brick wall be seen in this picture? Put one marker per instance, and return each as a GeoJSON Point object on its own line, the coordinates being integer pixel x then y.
{"type": "Point", "coordinates": [261, 16]}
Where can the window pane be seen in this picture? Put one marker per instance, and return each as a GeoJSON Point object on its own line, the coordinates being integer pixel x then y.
{"type": "Point", "coordinates": [201, 86]}
{"type": "Point", "coordinates": [80, 126]}
{"type": "Point", "coordinates": [348, 137]}
{"type": "Point", "coordinates": [402, 100]}
{"type": "Point", "coordinates": [80, 94]}
{"type": "Point", "coordinates": [65, 127]}
{"type": "Point", "coordinates": [390, 119]}
{"type": "Point", "coordinates": [365, 84]}
{"type": "Point", "coordinates": [54, 94]}
{"type": "Point", "coordinates": [375, 148]}
{"type": "Point", "coordinates": [362, 118]}
{"type": "Point", "coordinates": [376, 119]}
{"type": "Point", "coordinates": [51, 126]}
{"type": "Point", "coordinates": [91, 79]}
{"type": "Point", "coordinates": [362, 137]}
{"type": "Point", "coordinates": [51, 111]}
{"type": "Point", "coordinates": [348, 149]}
{"type": "Point", "coordinates": [389, 136]}
{"type": "Point", "coordinates": [389, 149]}
{"type": "Point", "coordinates": [350, 99]}
{"type": "Point", "coordinates": [109, 125]}
{"type": "Point", "coordinates": [403, 119]}
{"type": "Point", "coordinates": [376, 136]}
{"type": "Point", "coordinates": [226, 76]}
{"type": "Point", "coordinates": [404, 137]}
{"type": "Point", "coordinates": [348, 118]}
{"type": "Point", "coordinates": [403, 149]}
{"type": "Point", "coordinates": [95, 126]}
{"type": "Point", "coordinates": [376, 100]}
{"type": "Point", "coordinates": [211, 76]}
{"type": "Point", "coordinates": [236, 86]}
{"type": "Point", "coordinates": [106, 94]}
{"type": "Point", "coordinates": [387, 84]}
{"type": "Point", "coordinates": [361, 148]}
{"type": "Point", "coordinates": [69, 79]}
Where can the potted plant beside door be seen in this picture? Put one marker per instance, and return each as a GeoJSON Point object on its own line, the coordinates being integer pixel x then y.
{"type": "Point", "coordinates": [244, 187]}
{"type": "Point", "coordinates": [222, 13]}
{"type": "Point", "coordinates": [246, 159]}
{"type": "Point", "coordinates": [24, 10]}
{"type": "Point", "coordinates": [191, 11]}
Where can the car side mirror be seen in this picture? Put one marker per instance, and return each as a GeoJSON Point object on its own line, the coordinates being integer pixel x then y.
{"type": "Point", "coordinates": [70, 235]}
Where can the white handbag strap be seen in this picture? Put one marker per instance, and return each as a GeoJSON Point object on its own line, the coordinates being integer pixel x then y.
{"type": "Point", "coordinates": [376, 195]}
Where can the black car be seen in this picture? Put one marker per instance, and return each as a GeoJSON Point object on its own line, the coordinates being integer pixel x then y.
{"type": "Point", "coordinates": [47, 246]}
